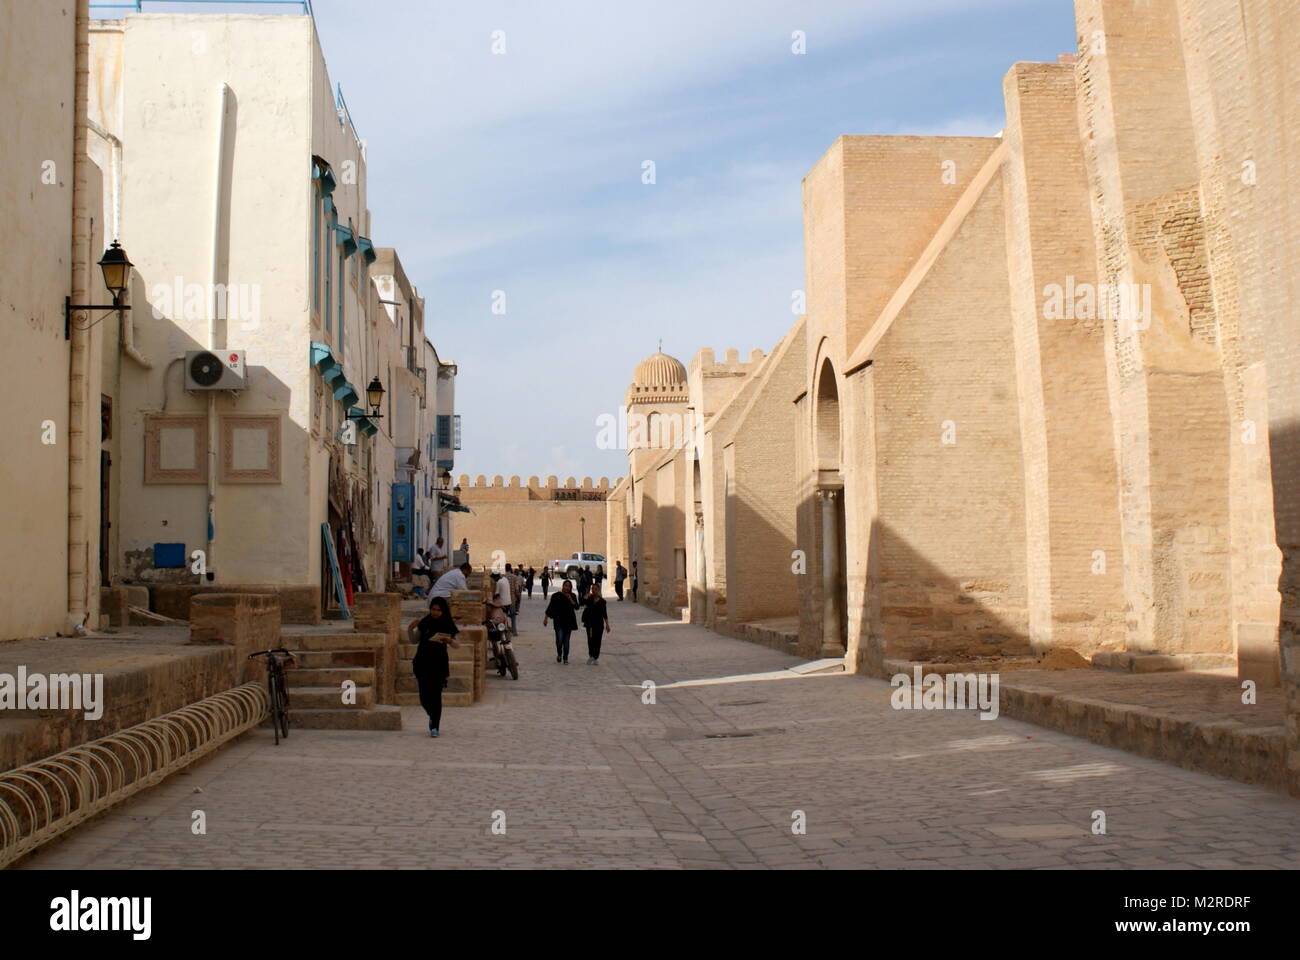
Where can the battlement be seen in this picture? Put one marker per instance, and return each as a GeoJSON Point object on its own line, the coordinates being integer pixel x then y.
{"type": "Point", "coordinates": [552, 483]}
{"type": "Point", "coordinates": [705, 361]}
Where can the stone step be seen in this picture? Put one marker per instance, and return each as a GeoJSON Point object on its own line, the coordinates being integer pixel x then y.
{"type": "Point", "coordinates": [313, 659]}
{"type": "Point", "coordinates": [345, 718]}
{"type": "Point", "coordinates": [329, 697]}
{"type": "Point", "coordinates": [449, 699]}
{"type": "Point", "coordinates": [329, 676]}
{"type": "Point", "coordinates": [332, 641]}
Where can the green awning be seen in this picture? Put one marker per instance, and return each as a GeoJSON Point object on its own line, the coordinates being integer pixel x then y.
{"type": "Point", "coordinates": [345, 393]}
{"type": "Point", "coordinates": [451, 503]}
{"type": "Point", "coordinates": [367, 249]}
{"type": "Point", "coordinates": [345, 237]}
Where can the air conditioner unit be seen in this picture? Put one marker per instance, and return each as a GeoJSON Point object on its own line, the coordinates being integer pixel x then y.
{"type": "Point", "coordinates": [214, 370]}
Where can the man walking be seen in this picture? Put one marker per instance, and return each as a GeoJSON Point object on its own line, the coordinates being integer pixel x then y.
{"type": "Point", "coordinates": [516, 595]}
{"type": "Point", "coordinates": [546, 581]}
{"type": "Point", "coordinates": [634, 581]}
{"type": "Point", "coordinates": [620, 574]}
{"type": "Point", "coordinates": [528, 580]}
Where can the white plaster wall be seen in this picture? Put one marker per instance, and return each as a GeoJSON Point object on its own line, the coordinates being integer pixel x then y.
{"type": "Point", "coordinates": [37, 56]}
{"type": "Point", "coordinates": [172, 70]}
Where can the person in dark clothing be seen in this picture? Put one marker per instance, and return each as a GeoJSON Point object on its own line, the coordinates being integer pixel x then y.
{"type": "Point", "coordinates": [528, 580]}
{"type": "Point", "coordinates": [595, 617]}
{"type": "Point", "coordinates": [620, 574]}
{"type": "Point", "coordinates": [562, 609]}
{"type": "Point", "coordinates": [546, 581]}
{"type": "Point", "coordinates": [584, 584]}
{"type": "Point", "coordinates": [634, 581]}
{"type": "Point", "coordinates": [434, 634]}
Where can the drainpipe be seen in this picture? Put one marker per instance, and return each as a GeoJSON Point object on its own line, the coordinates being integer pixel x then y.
{"type": "Point", "coordinates": [78, 549]}
{"type": "Point", "coordinates": [128, 324]}
{"type": "Point", "coordinates": [218, 197]}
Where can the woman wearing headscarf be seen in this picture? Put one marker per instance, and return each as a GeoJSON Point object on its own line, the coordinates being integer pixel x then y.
{"type": "Point", "coordinates": [561, 610]}
{"type": "Point", "coordinates": [434, 634]}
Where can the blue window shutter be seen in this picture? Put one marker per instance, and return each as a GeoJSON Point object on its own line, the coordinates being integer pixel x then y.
{"type": "Point", "coordinates": [315, 250]}
{"type": "Point", "coordinates": [456, 445]}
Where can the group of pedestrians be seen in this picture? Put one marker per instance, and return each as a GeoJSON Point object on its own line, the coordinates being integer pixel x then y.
{"type": "Point", "coordinates": [563, 610]}
{"type": "Point", "coordinates": [436, 631]}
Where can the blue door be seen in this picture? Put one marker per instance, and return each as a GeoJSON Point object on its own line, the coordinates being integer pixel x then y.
{"type": "Point", "coordinates": [402, 511]}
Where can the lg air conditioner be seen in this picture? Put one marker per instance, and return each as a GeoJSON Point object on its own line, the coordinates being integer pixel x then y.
{"type": "Point", "coordinates": [214, 370]}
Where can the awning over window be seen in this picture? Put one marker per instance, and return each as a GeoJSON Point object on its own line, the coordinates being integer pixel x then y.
{"type": "Point", "coordinates": [451, 503]}
{"type": "Point", "coordinates": [363, 422]}
{"type": "Point", "coordinates": [320, 170]}
{"type": "Point", "coordinates": [367, 249]}
{"type": "Point", "coordinates": [343, 235]}
{"type": "Point", "coordinates": [331, 371]}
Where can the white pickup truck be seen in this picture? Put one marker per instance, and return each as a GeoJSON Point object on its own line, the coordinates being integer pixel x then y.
{"type": "Point", "coordinates": [570, 567]}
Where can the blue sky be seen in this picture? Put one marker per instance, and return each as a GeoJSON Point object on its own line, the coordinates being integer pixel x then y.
{"type": "Point", "coordinates": [522, 172]}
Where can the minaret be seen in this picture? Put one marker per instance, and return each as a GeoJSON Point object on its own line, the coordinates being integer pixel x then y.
{"type": "Point", "coordinates": [656, 405]}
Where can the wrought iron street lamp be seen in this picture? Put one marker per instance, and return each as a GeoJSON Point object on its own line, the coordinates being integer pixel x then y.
{"type": "Point", "coordinates": [116, 268]}
{"type": "Point", "coordinates": [374, 400]}
{"type": "Point", "coordinates": [582, 521]}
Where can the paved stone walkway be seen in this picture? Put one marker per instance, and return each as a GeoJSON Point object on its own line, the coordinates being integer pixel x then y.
{"type": "Point", "coordinates": [583, 774]}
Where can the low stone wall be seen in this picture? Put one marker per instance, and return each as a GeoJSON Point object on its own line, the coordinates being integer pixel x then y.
{"type": "Point", "coordinates": [1226, 748]}
{"type": "Point", "coordinates": [113, 604]}
{"type": "Point", "coordinates": [298, 603]}
{"type": "Point", "coordinates": [381, 613]}
{"type": "Point", "coordinates": [142, 680]}
{"type": "Point", "coordinates": [246, 622]}
{"type": "Point", "coordinates": [467, 607]}
{"type": "Point", "coordinates": [473, 646]}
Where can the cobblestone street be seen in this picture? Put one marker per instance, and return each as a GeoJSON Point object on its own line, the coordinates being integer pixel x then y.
{"type": "Point", "coordinates": [586, 775]}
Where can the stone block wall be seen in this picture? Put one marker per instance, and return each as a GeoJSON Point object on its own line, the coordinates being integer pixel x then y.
{"type": "Point", "coordinates": [381, 614]}
{"type": "Point", "coordinates": [298, 604]}
{"type": "Point", "coordinates": [948, 471]}
{"type": "Point", "coordinates": [248, 623]}
{"type": "Point", "coordinates": [534, 523]}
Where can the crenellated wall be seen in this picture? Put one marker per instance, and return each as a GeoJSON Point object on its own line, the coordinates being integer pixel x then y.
{"type": "Point", "coordinates": [532, 521]}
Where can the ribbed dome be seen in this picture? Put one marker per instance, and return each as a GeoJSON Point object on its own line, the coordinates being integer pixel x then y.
{"type": "Point", "coordinates": [659, 370]}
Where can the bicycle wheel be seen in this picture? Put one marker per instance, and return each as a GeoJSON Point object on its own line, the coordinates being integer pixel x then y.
{"type": "Point", "coordinates": [512, 664]}
{"type": "Point", "coordinates": [273, 704]}
{"type": "Point", "coordinates": [284, 707]}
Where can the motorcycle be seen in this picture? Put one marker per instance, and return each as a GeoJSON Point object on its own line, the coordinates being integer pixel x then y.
{"type": "Point", "coordinates": [499, 645]}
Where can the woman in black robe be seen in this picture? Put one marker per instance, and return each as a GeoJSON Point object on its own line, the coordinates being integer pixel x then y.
{"type": "Point", "coordinates": [434, 634]}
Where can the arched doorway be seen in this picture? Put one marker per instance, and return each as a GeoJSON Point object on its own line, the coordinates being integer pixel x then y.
{"type": "Point", "coordinates": [831, 514]}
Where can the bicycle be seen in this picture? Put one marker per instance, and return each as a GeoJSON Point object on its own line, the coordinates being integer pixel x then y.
{"type": "Point", "coordinates": [276, 660]}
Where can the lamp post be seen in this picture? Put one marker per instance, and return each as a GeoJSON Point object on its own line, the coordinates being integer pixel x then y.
{"type": "Point", "coordinates": [582, 525]}
{"type": "Point", "coordinates": [116, 267]}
